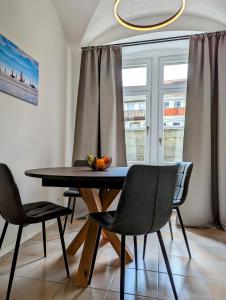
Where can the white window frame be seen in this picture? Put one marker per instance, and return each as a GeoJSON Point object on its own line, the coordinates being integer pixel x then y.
{"type": "Point", "coordinates": [154, 91]}
{"type": "Point", "coordinates": [137, 62]}
{"type": "Point", "coordinates": [162, 61]}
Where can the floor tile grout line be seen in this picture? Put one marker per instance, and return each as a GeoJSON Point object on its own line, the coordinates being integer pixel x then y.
{"type": "Point", "coordinates": [38, 279]}
{"type": "Point", "coordinates": [215, 280]}
{"type": "Point", "coordinates": [144, 270]}
{"type": "Point", "coordinates": [142, 296]}
{"type": "Point", "coordinates": [207, 288]}
{"type": "Point", "coordinates": [35, 279]}
{"type": "Point", "coordinates": [90, 288]}
{"type": "Point", "coordinates": [113, 277]}
{"type": "Point", "coordinates": [57, 292]}
{"type": "Point", "coordinates": [204, 281]}
{"type": "Point", "coordinates": [145, 297]}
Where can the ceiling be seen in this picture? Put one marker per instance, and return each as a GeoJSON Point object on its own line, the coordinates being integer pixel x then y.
{"type": "Point", "coordinates": [75, 16]}
{"type": "Point", "coordinates": [85, 21]}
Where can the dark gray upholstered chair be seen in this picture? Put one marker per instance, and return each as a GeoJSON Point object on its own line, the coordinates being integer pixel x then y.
{"type": "Point", "coordinates": [181, 191]}
{"type": "Point", "coordinates": [145, 206]}
{"type": "Point", "coordinates": [73, 193]}
{"type": "Point", "coordinates": [13, 212]}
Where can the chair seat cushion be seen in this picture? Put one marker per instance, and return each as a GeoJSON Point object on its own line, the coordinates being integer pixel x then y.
{"type": "Point", "coordinates": [71, 192]}
{"type": "Point", "coordinates": [43, 211]}
{"type": "Point", "coordinates": [103, 219]}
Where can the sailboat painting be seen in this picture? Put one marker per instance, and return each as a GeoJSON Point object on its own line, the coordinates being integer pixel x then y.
{"type": "Point", "coordinates": [19, 73]}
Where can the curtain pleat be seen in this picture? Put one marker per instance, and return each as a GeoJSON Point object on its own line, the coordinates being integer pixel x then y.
{"type": "Point", "coordinates": [205, 133]}
{"type": "Point", "coordinates": [99, 127]}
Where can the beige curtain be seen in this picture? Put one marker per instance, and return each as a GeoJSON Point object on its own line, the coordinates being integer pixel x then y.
{"type": "Point", "coordinates": [99, 127]}
{"type": "Point", "coordinates": [205, 131]}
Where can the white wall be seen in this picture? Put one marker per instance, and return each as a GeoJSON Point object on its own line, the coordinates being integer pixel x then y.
{"type": "Point", "coordinates": [35, 136]}
{"type": "Point", "coordinates": [71, 108]}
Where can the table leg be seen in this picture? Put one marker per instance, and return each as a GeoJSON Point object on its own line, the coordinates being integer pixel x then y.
{"type": "Point", "coordinates": [78, 240]}
{"type": "Point", "coordinates": [116, 244]}
{"type": "Point", "coordinates": [82, 275]}
{"type": "Point", "coordinates": [104, 236]}
{"type": "Point", "coordinates": [92, 200]}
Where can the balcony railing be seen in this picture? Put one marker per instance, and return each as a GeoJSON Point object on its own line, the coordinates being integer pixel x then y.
{"type": "Point", "coordinates": [180, 111]}
{"type": "Point", "coordinates": [134, 115]}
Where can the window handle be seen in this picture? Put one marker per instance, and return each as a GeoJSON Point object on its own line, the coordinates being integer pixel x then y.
{"type": "Point", "coordinates": [160, 141]}
{"type": "Point", "coordinates": [147, 129]}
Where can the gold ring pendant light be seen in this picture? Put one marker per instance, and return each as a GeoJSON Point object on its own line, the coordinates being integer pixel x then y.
{"type": "Point", "coordinates": [156, 26]}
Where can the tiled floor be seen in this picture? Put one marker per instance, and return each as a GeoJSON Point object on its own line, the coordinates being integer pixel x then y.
{"type": "Point", "coordinates": [201, 278]}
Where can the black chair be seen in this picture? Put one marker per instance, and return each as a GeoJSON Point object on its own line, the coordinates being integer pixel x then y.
{"type": "Point", "coordinates": [181, 191]}
{"type": "Point", "coordinates": [145, 206]}
{"type": "Point", "coordinates": [73, 193]}
{"type": "Point", "coordinates": [13, 212]}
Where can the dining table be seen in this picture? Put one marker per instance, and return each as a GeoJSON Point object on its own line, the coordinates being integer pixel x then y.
{"type": "Point", "coordinates": [98, 189]}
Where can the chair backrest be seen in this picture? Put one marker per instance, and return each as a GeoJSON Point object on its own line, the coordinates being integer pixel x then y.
{"type": "Point", "coordinates": [146, 201]}
{"type": "Point", "coordinates": [11, 208]}
{"type": "Point", "coordinates": [80, 163]}
{"type": "Point", "coordinates": [182, 183]}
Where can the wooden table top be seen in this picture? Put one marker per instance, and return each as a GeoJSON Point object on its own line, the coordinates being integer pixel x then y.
{"type": "Point", "coordinates": [81, 177]}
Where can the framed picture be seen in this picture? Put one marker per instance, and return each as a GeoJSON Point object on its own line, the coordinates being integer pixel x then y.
{"type": "Point", "coordinates": [19, 73]}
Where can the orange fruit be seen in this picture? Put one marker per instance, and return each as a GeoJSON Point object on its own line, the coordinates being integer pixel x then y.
{"type": "Point", "coordinates": [100, 164]}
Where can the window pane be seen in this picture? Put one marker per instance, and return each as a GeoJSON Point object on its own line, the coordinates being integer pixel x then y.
{"type": "Point", "coordinates": [173, 126]}
{"type": "Point", "coordinates": [175, 72]}
{"type": "Point", "coordinates": [134, 76]}
{"type": "Point", "coordinates": [135, 127]}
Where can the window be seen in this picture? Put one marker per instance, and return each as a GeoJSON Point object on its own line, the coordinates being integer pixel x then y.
{"type": "Point", "coordinates": [166, 104]}
{"type": "Point", "coordinates": [130, 106]}
{"type": "Point", "coordinates": [135, 117]}
{"type": "Point", "coordinates": [134, 76]}
{"type": "Point", "coordinates": [154, 108]}
{"type": "Point", "coordinates": [175, 72]}
{"type": "Point", "coordinates": [173, 81]}
{"type": "Point", "coordinates": [177, 104]}
{"type": "Point", "coordinates": [141, 106]}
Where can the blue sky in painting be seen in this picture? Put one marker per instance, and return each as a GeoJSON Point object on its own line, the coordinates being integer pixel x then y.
{"type": "Point", "coordinates": [15, 59]}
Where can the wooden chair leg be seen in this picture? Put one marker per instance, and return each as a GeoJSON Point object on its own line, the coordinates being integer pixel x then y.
{"type": "Point", "coordinates": [13, 267]}
{"type": "Point", "coordinates": [145, 244]}
{"type": "Point", "coordinates": [170, 227]}
{"type": "Point", "coordinates": [3, 234]}
{"type": "Point", "coordinates": [122, 273]}
{"type": "Point", "coordinates": [63, 246]}
{"type": "Point", "coordinates": [44, 237]}
{"type": "Point", "coordinates": [94, 255]}
{"type": "Point", "coordinates": [66, 217]}
{"type": "Point", "coordinates": [167, 264]}
{"type": "Point", "coordinates": [73, 210]}
{"type": "Point", "coordinates": [183, 230]}
{"type": "Point", "coordinates": [135, 251]}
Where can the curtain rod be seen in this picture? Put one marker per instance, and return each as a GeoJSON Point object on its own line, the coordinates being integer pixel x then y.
{"type": "Point", "coordinates": [145, 42]}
